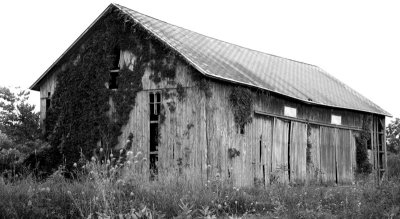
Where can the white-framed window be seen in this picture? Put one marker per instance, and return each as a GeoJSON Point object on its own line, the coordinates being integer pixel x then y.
{"type": "Point", "coordinates": [290, 111]}
{"type": "Point", "coordinates": [335, 119]}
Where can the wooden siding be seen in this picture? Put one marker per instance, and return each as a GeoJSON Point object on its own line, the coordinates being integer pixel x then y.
{"type": "Point", "coordinates": [280, 150]}
{"type": "Point", "coordinates": [298, 145]}
{"type": "Point", "coordinates": [47, 86]}
{"type": "Point", "coordinates": [328, 154]}
{"type": "Point", "coordinates": [198, 131]}
{"type": "Point", "coordinates": [314, 168]}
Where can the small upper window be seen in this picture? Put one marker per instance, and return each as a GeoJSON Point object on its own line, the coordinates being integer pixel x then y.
{"type": "Point", "coordinates": [290, 111]}
{"type": "Point", "coordinates": [113, 83]}
{"type": "Point", "coordinates": [115, 56]}
{"type": "Point", "coordinates": [335, 119]}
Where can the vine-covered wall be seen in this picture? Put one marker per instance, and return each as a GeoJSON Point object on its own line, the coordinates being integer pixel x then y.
{"type": "Point", "coordinates": [79, 120]}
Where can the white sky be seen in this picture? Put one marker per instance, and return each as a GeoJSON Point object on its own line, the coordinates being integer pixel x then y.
{"type": "Point", "coordinates": [357, 42]}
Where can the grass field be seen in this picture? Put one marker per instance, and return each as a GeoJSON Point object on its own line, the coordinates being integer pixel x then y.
{"type": "Point", "coordinates": [100, 193]}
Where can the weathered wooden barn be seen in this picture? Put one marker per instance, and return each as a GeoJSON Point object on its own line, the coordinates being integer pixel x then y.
{"type": "Point", "coordinates": [214, 109]}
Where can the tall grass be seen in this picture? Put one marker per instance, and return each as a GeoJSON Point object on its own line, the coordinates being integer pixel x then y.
{"type": "Point", "coordinates": [101, 190]}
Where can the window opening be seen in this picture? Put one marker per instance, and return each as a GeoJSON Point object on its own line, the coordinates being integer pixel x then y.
{"type": "Point", "coordinates": [240, 129]}
{"type": "Point", "coordinates": [113, 83]}
{"type": "Point", "coordinates": [336, 120]}
{"type": "Point", "coordinates": [290, 111]}
{"type": "Point", "coordinates": [48, 101]}
{"type": "Point", "coordinates": [115, 56]}
{"type": "Point", "coordinates": [155, 107]}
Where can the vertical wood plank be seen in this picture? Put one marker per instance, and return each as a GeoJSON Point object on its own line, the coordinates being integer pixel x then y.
{"type": "Point", "coordinates": [328, 150]}
{"type": "Point", "coordinates": [298, 145]}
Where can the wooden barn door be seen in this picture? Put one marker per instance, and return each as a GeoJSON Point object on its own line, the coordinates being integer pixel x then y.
{"type": "Point", "coordinates": [343, 157]}
{"type": "Point", "coordinates": [262, 152]}
{"type": "Point", "coordinates": [297, 152]}
{"type": "Point", "coordinates": [328, 154]}
{"type": "Point", "coordinates": [279, 152]}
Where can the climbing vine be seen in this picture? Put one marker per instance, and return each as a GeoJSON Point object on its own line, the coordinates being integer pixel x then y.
{"type": "Point", "coordinates": [241, 101]}
{"type": "Point", "coordinates": [78, 117]}
{"type": "Point", "coordinates": [363, 164]}
{"type": "Point", "coordinates": [309, 146]}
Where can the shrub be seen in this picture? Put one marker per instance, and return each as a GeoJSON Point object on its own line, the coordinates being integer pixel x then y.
{"type": "Point", "coordinates": [393, 162]}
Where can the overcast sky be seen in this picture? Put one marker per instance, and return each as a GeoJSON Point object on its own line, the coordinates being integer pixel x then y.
{"type": "Point", "coordinates": [357, 42]}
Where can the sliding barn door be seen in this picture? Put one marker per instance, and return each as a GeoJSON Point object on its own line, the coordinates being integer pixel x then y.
{"type": "Point", "coordinates": [297, 152]}
{"type": "Point", "coordinates": [328, 154]}
{"type": "Point", "coordinates": [343, 157]}
{"type": "Point", "coordinates": [279, 164]}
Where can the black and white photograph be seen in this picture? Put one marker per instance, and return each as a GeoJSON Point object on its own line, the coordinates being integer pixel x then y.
{"type": "Point", "coordinates": [200, 109]}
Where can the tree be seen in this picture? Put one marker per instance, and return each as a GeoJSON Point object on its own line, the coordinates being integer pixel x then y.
{"type": "Point", "coordinates": [18, 119]}
{"type": "Point", "coordinates": [393, 136]}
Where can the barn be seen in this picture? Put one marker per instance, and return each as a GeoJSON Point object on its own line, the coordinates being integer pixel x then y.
{"type": "Point", "coordinates": [204, 108]}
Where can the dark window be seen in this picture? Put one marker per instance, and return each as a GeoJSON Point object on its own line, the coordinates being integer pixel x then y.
{"type": "Point", "coordinates": [240, 129]}
{"type": "Point", "coordinates": [115, 56]}
{"type": "Point", "coordinates": [113, 83]}
{"type": "Point", "coordinates": [48, 101]}
{"type": "Point", "coordinates": [155, 107]}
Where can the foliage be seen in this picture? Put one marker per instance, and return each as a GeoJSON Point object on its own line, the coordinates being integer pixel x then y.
{"type": "Point", "coordinates": [309, 146]}
{"type": "Point", "coordinates": [100, 192]}
{"type": "Point", "coordinates": [232, 152]}
{"type": "Point", "coordinates": [77, 119]}
{"type": "Point", "coordinates": [393, 163]}
{"type": "Point", "coordinates": [18, 119]}
{"type": "Point", "coordinates": [393, 136]}
{"type": "Point", "coordinates": [241, 100]}
{"type": "Point", "coordinates": [363, 164]}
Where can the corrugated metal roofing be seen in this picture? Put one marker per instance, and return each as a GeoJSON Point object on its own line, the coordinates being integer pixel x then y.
{"type": "Point", "coordinates": [223, 60]}
{"type": "Point", "coordinates": [219, 59]}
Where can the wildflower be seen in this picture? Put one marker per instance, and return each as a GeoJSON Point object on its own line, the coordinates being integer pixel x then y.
{"type": "Point", "coordinates": [111, 155]}
{"type": "Point", "coordinates": [48, 189]}
{"type": "Point", "coordinates": [220, 206]}
{"type": "Point", "coordinates": [29, 203]}
{"type": "Point", "coordinates": [136, 162]}
{"type": "Point", "coordinates": [129, 153]}
{"type": "Point", "coordinates": [131, 194]}
{"type": "Point", "coordinates": [138, 153]}
{"type": "Point", "coordinates": [93, 159]}
{"type": "Point", "coordinates": [75, 165]}
{"type": "Point", "coordinates": [120, 151]}
{"type": "Point", "coordinates": [128, 141]}
{"type": "Point", "coordinates": [129, 162]}
{"type": "Point", "coordinates": [236, 202]}
{"type": "Point", "coordinates": [69, 192]}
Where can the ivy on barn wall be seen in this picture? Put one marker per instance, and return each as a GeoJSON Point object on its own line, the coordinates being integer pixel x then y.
{"type": "Point", "coordinates": [77, 118]}
{"type": "Point", "coordinates": [363, 164]}
{"type": "Point", "coordinates": [241, 101]}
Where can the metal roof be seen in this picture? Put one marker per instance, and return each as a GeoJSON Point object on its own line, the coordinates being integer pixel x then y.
{"type": "Point", "coordinates": [219, 59]}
